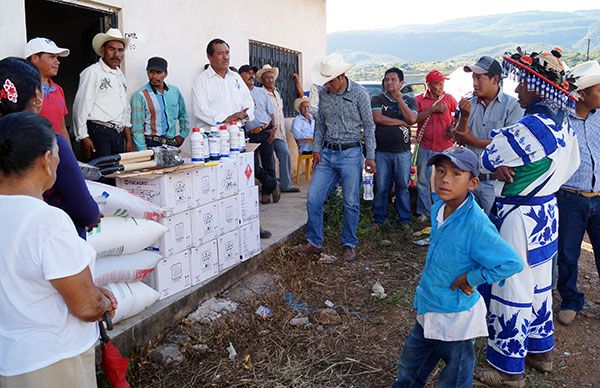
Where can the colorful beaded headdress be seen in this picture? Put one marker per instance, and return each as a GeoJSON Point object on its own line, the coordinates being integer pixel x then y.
{"type": "Point", "coordinates": [544, 74]}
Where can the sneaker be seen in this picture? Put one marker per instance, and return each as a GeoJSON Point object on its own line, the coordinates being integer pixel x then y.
{"type": "Point", "coordinates": [276, 193]}
{"type": "Point", "coordinates": [349, 254]}
{"type": "Point", "coordinates": [307, 249]}
{"type": "Point", "coordinates": [566, 317]}
{"type": "Point", "coordinates": [264, 233]}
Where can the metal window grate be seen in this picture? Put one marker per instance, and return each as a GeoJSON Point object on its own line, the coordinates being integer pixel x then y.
{"type": "Point", "coordinates": [288, 63]}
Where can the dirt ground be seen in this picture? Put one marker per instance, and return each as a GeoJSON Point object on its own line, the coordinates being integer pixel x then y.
{"type": "Point", "coordinates": [361, 348]}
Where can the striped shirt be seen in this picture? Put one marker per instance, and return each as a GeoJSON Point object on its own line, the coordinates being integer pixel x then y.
{"type": "Point", "coordinates": [157, 114]}
{"type": "Point", "coordinates": [587, 176]}
{"type": "Point", "coordinates": [342, 118]}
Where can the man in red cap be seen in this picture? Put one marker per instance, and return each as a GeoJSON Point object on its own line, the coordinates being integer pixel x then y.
{"type": "Point", "coordinates": [434, 122]}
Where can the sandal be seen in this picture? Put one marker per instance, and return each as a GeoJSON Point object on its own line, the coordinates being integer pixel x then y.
{"type": "Point", "coordinates": [493, 378]}
{"type": "Point", "coordinates": [540, 366]}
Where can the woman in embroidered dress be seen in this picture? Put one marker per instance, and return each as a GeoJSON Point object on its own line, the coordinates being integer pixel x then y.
{"type": "Point", "coordinates": [531, 159]}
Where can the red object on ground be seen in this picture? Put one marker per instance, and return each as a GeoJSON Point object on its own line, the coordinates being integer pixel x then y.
{"type": "Point", "coordinates": [113, 364]}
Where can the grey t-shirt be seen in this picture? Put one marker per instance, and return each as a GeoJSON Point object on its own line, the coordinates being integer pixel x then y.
{"type": "Point", "coordinates": [503, 111]}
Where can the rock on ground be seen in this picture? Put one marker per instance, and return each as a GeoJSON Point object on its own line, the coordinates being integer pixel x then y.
{"type": "Point", "coordinates": [212, 310]}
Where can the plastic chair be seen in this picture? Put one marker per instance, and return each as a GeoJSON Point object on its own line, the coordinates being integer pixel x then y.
{"type": "Point", "coordinates": [307, 159]}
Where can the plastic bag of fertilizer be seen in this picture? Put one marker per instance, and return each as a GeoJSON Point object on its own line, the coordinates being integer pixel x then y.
{"type": "Point", "coordinates": [121, 203]}
{"type": "Point", "coordinates": [126, 268]}
{"type": "Point", "coordinates": [116, 236]}
{"type": "Point", "coordinates": [132, 298]}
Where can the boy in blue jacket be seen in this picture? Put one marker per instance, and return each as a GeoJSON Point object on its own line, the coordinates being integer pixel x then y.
{"type": "Point", "coordinates": [465, 251]}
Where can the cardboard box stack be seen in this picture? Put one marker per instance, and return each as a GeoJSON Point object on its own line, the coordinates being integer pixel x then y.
{"type": "Point", "coordinates": [212, 217]}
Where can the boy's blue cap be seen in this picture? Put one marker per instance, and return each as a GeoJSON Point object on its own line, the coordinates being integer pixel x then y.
{"type": "Point", "coordinates": [461, 157]}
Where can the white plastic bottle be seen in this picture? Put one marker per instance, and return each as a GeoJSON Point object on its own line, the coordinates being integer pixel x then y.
{"type": "Point", "coordinates": [101, 200]}
{"type": "Point", "coordinates": [214, 144]}
{"type": "Point", "coordinates": [205, 148]}
{"type": "Point", "coordinates": [234, 131]}
{"type": "Point", "coordinates": [197, 146]}
{"type": "Point", "coordinates": [368, 186]}
{"type": "Point", "coordinates": [225, 141]}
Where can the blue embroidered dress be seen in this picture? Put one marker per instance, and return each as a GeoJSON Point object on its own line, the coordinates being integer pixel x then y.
{"type": "Point", "coordinates": [543, 151]}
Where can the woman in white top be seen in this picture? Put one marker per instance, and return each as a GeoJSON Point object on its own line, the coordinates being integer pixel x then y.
{"type": "Point", "coordinates": [48, 302]}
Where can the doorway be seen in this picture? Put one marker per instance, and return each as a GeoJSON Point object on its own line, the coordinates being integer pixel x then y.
{"type": "Point", "coordinates": [70, 26]}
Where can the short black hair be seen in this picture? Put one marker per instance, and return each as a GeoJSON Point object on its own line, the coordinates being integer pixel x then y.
{"type": "Point", "coordinates": [395, 70]}
{"type": "Point", "coordinates": [24, 137]}
{"type": "Point", "coordinates": [210, 48]}
{"type": "Point", "coordinates": [25, 76]}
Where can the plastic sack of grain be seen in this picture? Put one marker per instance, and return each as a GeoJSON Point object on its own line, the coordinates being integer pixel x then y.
{"type": "Point", "coordinates": [125, 269]}
{"type": "Point", "coordinates": [121, 203]}
{"type": "Point", "coordinates": [132, 298]}
{"type": "Point", "coordinates": [116, 236]}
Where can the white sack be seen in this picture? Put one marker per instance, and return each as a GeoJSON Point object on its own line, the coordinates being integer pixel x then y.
{"type": "Point", "coordinates": [121, 203]}
{"type": "Point", "coordinates": [132, 298]}
{"type": "Point", "coordinates": [116, 236]}
{"type": "Point", "coordinates": [126, 268]}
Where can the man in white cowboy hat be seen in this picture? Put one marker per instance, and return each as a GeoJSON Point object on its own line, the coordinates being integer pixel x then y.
{"type": "Point", "coordinates": [344, 111]}
{"type": "Point", "coordinates": [44, 54]}
{"type": "Point", "coordinates": [267, 76]}
{"type": "Point", "coordinates": [101, 112]}
{"type": "Point", "coordinates": [303, 125]}
{"type": "Point", "coordinates": [219, 93]}
{"type": "Point", "coordinates": [579, 198]}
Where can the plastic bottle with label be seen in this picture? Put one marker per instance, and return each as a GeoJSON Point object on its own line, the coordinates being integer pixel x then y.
{"type": "Point", "coordinates": [225, 141]}
{"type": "Point", "coordinates": [197, 146]}
{"type": "Point", "coordinates": [368, 194]}
{"type": "Point", "coordinates": [234, 132]}
{"type": "Point", "coordinates": [101, 200]}
{"type": "Point", "coordinates": [214, 144]}
{"type": "Point", "coordinates": [205, 148]}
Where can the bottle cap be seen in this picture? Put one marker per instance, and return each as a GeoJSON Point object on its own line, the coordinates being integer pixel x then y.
{"type": "Point", "coordinates": [195, 129]}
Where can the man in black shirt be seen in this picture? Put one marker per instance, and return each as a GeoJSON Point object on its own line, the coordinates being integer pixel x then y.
{"type": "Point", "coordinates": [393, 114]}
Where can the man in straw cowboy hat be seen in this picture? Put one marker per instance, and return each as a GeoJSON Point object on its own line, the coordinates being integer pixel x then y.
{"type": "Point", "coordinates": [579, 198]}
{"type": "Point", "coordinates": [344, 111]}
{"type": "Point", "coordinates": [101, 113]}
{"type": "Point", "coordinates": [267, 76]}
{"type": "Point", "coordinates": [303, 125]}
{"type": "Point", "coordinates": [531, 159]}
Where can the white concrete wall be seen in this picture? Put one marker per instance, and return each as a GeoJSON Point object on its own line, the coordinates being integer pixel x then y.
{"type": "Point", "coordinates": [179, 31]}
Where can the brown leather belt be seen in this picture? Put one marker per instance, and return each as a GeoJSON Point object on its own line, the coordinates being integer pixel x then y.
{"type": "Point", "coordinates": [587, 194]}
{"type": "Point", "coordinates": [258, 130]}
{"type": "Point", "coordinates": [162, 140]}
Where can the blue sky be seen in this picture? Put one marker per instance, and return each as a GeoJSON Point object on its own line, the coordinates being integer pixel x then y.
{"type": "Point", "coordinates": [343, 15]}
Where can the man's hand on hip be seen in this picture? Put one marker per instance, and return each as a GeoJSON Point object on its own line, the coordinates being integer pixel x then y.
{"type": "Point", "coordinates": [370, 166]}
{"type": "Point", "coordinates": [316, 160]}
{"type": "Point", "coordinates": [505, 174]}
{"type": "Point", "coordinates": [87, 147]}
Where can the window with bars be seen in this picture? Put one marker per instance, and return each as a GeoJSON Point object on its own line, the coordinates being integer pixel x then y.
{"type": "Point", "coordinates": [288, 63]}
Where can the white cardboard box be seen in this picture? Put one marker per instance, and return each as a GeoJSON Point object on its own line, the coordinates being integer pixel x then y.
{"type": "Point", "coordinates": [229, 250]}
{"type": "Point", "coordinates": [249, 206]}
{"type": "Point", "coordinates": [229, 214]}
{"type": "Point", "coordinates": [179, 235]}
{"type": "Point", "coordinates": [250, 240]}
{"type": "Point", "coordinates": [204, 262]}
{"type": "Point", "coordinates": [205, 223]}
{"type": "Point", "coordinates": [204, 185]}
{"type": "Point", "coordinates": [245, 170]}
{"type": "Point", "coordinates": [172, 275]}
{"type": "Point", "coordinates": [173, 192]}
{"type": "Point", "coordinates": [227, 177]}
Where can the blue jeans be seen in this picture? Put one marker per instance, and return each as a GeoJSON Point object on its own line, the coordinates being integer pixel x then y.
{"type": "Point", "coordinates": [424, 175]}
{"type": "Point", "coordinates": [576, 214]}
{"type": "Point", "coordinates": [392, 166]}
{"type": "Point", "coordinates": [420, 356]}
{"type": "Point", "coordinates": [346, 165]}
{"type": "Point", "coordinates": [485, 195]}
{"type": "Point", "coordinates": [283, 154]}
